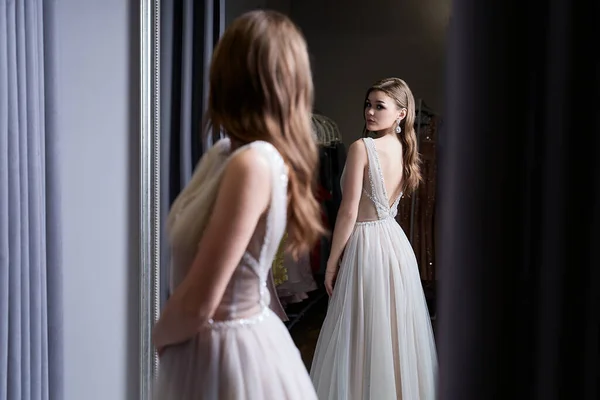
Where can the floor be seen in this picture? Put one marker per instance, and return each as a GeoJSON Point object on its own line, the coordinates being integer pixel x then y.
{"type": "Point", "coordinates": [305, 330]}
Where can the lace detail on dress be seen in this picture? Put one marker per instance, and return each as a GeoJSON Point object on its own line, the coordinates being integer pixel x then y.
{"type": "Point", "coordinates": [277, 210]}
{"type": "Point", "coordinates": [370, 223]}
{"type": "Point", "coordinates": [381, 210]}
{"type": "Point", "coordinates": [282, 181]}
{"type": "Point", "coordinates": [394, 209]}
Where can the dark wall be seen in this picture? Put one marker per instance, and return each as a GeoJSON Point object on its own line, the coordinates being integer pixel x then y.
{"type": "Point", "coordinates": [354, 43]}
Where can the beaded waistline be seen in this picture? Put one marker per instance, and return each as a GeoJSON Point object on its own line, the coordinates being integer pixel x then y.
{"type": "Point", "coordinates": [239, 322]}
{"type": "Point", "coordinates": [375, 222]}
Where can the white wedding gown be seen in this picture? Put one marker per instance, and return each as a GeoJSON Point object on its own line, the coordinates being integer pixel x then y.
{"type": "Point", "coordinates": [376, 342]}
{"type": "Point", "coordinates": [249, 354]}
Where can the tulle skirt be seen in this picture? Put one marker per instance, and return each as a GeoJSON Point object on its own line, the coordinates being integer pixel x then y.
{"type": "Point", "coordinates": [376, 342]}
{"type": "Point", "coordinates": [253, 362]}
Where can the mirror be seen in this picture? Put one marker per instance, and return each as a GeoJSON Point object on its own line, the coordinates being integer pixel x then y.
{"type": "Point", "coordinates": [351, 47]}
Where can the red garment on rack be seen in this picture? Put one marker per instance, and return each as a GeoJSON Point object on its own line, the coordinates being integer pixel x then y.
{"type": "Point", "coordinates": [321, 195]}
{"type": "Point", "coordinates": [315, 257]}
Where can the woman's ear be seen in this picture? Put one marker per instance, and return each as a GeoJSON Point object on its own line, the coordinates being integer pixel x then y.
{"type": "Point", "coordinates": [402, 114]}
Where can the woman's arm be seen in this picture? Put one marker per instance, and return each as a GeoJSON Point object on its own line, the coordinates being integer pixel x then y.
{"type": "Point", "coordinates": [244, 195]}
{"type": "Point", "coordinates": [348, 212]}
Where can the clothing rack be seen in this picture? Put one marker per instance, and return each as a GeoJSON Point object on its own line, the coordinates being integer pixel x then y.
{"type": "Point", "coordinates": [293, 319]}
{"type": "Point", "coordinates": [327, 134]}
{"type": "Point", "coordinates": [422, 117]}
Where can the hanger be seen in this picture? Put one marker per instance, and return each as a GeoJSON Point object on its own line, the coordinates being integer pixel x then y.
{"type": "Point", "coordinates": [326, 130]}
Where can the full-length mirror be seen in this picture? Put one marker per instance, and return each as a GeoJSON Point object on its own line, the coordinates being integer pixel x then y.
{"type": "Point", "coordinates": [299, 200]}
{"type": "Point", "coordinates": [389, 300]}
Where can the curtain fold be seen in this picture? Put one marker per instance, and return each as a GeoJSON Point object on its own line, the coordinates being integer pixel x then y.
{"type": "Point", "coordinates": [189, 31]}
{"type": "Point", "coordinates": [30, 313]}
{"type": "Point", "coordinates": [520, 203]}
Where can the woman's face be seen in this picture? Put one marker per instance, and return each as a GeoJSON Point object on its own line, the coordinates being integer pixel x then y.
{"type": "Point", "coordinates": [381, 112]}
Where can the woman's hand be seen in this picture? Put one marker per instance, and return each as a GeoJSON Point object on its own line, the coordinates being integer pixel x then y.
{"type": "Point", "coordinates": [330, 278]}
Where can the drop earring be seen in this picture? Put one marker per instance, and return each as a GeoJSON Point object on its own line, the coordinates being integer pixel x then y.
{"type": "Point", "coordinates": [398, 129]}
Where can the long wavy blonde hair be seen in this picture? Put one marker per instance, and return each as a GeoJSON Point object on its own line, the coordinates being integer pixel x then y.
{"type": "Point", "coordinates": [399, 91]}
{"type": "Point", "coordinates": [261, 89]}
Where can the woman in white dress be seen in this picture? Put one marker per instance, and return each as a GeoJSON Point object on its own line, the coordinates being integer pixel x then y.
{"type": "Point", "coordinates": [217, 337]}
{"type": "Point", "coordinates": [376, 342]}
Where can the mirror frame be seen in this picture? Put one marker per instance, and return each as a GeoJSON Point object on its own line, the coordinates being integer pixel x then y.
{"type": "Point", "coordinates": [149, 241]}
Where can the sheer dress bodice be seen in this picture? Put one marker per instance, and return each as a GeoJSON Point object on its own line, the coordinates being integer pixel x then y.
{"type": "Point", "coordinates": [374, 203]}
{"type": "Point", "coordinates": [248, 295]}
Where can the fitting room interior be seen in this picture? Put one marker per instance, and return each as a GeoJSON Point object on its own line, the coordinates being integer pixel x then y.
{"type": "Point", "coordinates": [109, 134]}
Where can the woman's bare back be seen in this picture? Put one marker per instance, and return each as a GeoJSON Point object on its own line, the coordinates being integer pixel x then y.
{"type": "Point", "coordinates": [389, 150]}
{"type": "Point", "coordinates": [387, 159]}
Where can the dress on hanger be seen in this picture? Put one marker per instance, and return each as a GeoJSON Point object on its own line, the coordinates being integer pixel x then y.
{"type": "Point", "coordinates": [376, 341]}
{"type": "Point", "coordinates": [249, 354]}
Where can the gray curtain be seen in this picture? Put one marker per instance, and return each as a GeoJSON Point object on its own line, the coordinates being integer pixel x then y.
{"type": "Point", "coordinates": [189, 32]}
{"type": "Point", "coordinates": [30, 345]}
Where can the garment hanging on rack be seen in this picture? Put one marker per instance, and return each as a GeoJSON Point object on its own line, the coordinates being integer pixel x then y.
{"type": "Point", "coordinates": [320, 251]}
{"type": "Point", "coordinates": [332, 159]}
{"type": "Point", "coordinates": [336, 159]}
{"type": "Point", "coordinates": [300, 279]}
{"type": "Point", "coordinates": [424, 224]}
{"type": "Point", "coordinates": [279, 270]}
{"type": "Point", "coordinates": [295, 278]}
